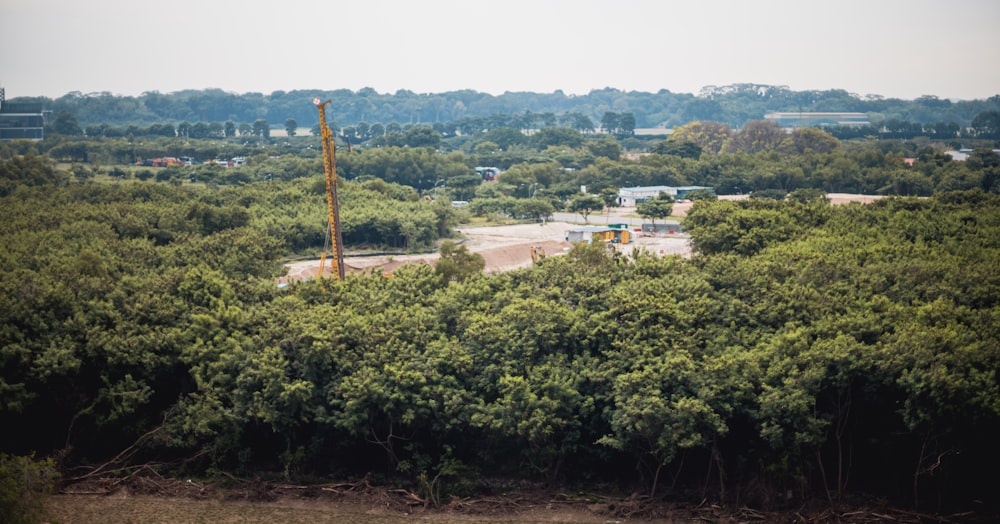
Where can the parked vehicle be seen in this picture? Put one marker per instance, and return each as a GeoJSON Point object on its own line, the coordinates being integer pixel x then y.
{"type": "Point", "coordinates": [160, 162]}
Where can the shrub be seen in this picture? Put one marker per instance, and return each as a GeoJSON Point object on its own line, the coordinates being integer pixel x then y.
{"type": "Point", "coordinates": [24, 482]}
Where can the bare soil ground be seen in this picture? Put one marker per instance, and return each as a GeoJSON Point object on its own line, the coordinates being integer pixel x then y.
{"type": "Point", "coordinates": [150, 498]}
{"type": "Point", "coordinates": [503, 248]}
{"type": "Point", "coordinates": [292, 510]}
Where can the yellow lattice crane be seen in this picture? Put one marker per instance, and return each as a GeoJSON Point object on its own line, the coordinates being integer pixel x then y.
{"type": "Point", "coordinates": [334, 243]}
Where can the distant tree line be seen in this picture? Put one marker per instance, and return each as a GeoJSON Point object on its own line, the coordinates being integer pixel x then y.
{"type": "Point", "coordinates": [552, 163]}
{"type": "Point", "coordinates": [985, 125]}
{"type": "Point", "coordinates": [66, 124]}
{"type": "Point", "coordinates": [507, 129]}
{"type": "Point", "coordinates": [733, 105]}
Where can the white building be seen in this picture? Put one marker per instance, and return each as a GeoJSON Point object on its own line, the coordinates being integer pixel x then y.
{"type": "Point", "coordinates": [631, 196]}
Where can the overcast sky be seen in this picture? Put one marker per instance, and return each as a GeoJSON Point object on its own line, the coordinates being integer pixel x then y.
{"type": "Point", "coordinates": [893, 48]}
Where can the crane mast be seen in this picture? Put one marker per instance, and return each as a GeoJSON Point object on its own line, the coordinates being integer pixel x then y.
{"type": "Point", "coordinates": [334, 243]}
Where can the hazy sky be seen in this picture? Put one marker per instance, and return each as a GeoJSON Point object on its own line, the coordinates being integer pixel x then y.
{"type": "Point", "coordinates": [893, 48]}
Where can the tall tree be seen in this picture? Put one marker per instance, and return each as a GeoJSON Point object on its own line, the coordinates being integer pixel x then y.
{"type": "Point", "coordinates": [681, 148]}
{"type": "Point", "coordinates": [811, 139]}
{"type": "Point", "coordinates": [585, 205]}
{"type": "Point", "coordinates": [422, 136]}
{"type": "Point", "coordinates": [660, 207]}
{"type": "Point", "coordinates": [710, 136]}
{"type": "Point", "coordinates": [757, 136]}
{"type": "Point", "coordinates": [557, 136]}
{"type": "Point", "coordinates": [64, 123]}
{"type": "Point", "coordinates": [606, 147]}
{"type": "Point", "coordinates": [626, 124]}
{"type": "Point", "coordinates": [611, 122]}
{"type": "Point", "coordinates": [261, 129]}
{"type": "Point", "coordinates": [457, 263]}
{"type": "Point", "coordinates": [987, 124]}
{"type": "Point", "coordinates": [578, 121]}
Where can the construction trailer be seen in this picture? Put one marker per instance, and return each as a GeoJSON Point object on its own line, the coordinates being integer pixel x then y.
{"type": "Point", "coordinates": [662, 228]}
{"type": "Point", "coordinates": [606, 234]}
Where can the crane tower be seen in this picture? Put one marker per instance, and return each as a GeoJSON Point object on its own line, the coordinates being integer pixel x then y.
{"type": "Point", "coordinates": [334, 243]}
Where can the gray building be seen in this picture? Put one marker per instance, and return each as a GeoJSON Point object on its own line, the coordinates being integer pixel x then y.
{"type": "Point", "coordinates": [21, 121]}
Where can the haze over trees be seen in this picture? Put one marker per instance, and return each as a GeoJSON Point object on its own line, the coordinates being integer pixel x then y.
{"type": "Point", "coordinates": [613, 111]}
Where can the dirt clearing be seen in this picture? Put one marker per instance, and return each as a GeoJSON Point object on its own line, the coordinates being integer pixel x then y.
{"type": "Point", "coordinates": [509, 247]}
{"type": "Point", "coordinates": [503, 248]}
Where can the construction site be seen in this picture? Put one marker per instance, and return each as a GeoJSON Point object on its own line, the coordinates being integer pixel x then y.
{"type": "Point", "coordinates": [508, 247]}
{"type": "Point", "coordinates": [503, 248]}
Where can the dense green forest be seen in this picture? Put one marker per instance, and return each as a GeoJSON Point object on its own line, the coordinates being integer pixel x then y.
{"type": "Point", "coordinates": [805, 351]}
{"type": "Point", "coordinates": [469, 111]}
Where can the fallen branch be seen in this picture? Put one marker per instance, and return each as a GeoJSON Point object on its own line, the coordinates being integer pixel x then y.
{"type": "Point", "coordinates": [122, 456]}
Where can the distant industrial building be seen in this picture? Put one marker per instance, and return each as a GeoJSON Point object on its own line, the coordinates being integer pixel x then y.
{"type": "Point", "coordinates": [963, 154]}
{"type": "Point", "coordinates": [813, 119]}
{"type": "Point", "coordinates": [631, 196]}
{"type": "Point", "coordinates": [21, 121]}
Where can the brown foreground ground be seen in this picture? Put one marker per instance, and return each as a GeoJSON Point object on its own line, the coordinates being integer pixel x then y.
{"type": "Point", "coordinates": [155, 499]}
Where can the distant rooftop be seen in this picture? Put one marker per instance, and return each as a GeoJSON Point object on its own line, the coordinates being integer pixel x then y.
{"type": "Point", "coordinates": [817, 118]}
{"type": "Point", "coordinates": [20, 107]}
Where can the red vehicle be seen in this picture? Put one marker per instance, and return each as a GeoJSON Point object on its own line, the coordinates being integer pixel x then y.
{"type": "Point", "coordinates": [489, 174]}
{"type": "Point", "coordinates": [160, 162]}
